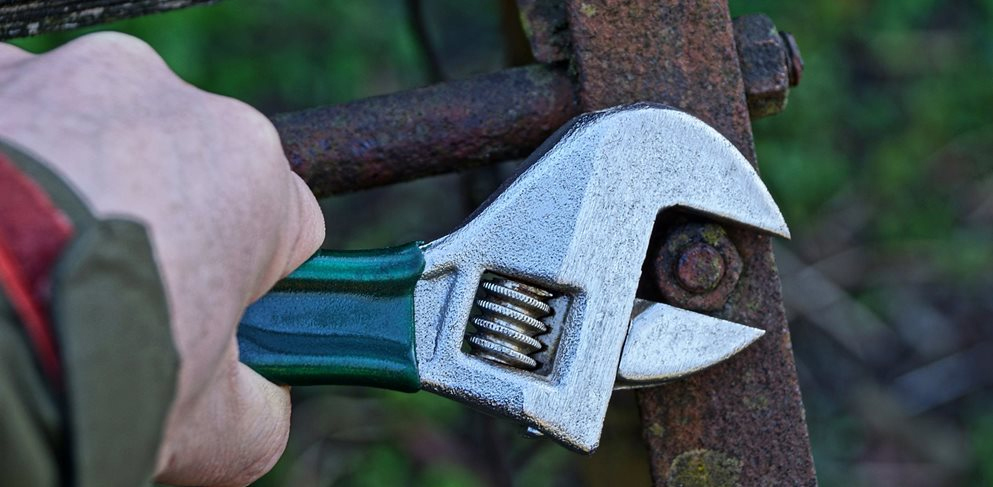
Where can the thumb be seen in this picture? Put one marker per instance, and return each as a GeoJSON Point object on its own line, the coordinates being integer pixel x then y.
{"type": "Point", "coordinates": [232, 436]}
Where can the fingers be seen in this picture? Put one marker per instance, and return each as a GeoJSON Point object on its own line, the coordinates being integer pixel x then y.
{"type": "Point", "coordinates": [303, 233]}
{"type": "Point", "coordinates": [233, 436]}
{"type": "Point", "coordinates": [286, 210]}
{"type": "Point", "coordinates": [310, 225]}
{"type": "Point", "coordinates": [304, 222]}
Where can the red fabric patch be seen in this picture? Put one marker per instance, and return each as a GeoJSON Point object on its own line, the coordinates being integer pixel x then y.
{"type": "Point", "coordinates": [33, 233]}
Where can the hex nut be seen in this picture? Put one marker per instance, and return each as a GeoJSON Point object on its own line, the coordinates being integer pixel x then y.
{"type": "Point", "coordinates": [697, 267]}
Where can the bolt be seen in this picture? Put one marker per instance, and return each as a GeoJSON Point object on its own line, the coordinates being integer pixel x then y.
{"type": "Point", "coordinates": [770, 63]}
{"type": "Point", "coordinates": [700, 268]}
{"type": "Point", "coordinates": [794, 62]}
{"type": "Point", "coordinates": [697, 267]}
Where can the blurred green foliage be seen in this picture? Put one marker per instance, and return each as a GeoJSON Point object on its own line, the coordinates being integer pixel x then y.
{"type": "Point", "coordinates": [280, 55]}
{"type": "Point", "coordinates": [883, 165]}
{"type": "Point", "coordinates": [890, 88]}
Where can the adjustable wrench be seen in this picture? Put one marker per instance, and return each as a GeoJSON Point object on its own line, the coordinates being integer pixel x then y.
{"type": "Point", "coordinates": [528, 310]}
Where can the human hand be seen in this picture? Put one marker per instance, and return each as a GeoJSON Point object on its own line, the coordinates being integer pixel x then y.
{"type": "Point", "coordinates": [207, 176]}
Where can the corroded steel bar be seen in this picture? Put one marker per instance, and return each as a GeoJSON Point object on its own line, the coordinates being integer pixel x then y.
{"type": "Point", "coordinates": [741, 422]}
{"type": "Point", "coordinates": [441, 128]}
{"type": "Point", "coordinates": [453, 126]}
{"type": "Point", "coordinates": [21, 18]}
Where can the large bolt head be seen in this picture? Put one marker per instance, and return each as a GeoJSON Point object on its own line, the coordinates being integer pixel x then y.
{"type": "Point", "coordinates": [768, 66]}
{"type": "Point", "coordinates": [697, 267]}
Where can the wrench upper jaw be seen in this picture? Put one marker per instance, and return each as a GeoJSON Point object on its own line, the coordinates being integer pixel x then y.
{"type": "Point", "coordinates": [715, 179]}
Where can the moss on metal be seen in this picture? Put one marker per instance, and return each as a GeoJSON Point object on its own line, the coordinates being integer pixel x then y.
{"type": "Point", "coordinates": [704, 468]}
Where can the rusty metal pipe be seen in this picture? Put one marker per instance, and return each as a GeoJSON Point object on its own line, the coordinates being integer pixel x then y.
{"type": "Point", "coordinates": [433, 130]}
{"type": "Point", "coordinates": [505, 115]}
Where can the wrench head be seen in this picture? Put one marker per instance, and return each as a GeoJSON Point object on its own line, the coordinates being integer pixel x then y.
{"type": "Point", "coordinates": [576, 222]}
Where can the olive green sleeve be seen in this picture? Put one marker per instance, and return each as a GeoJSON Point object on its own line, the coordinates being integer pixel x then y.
{"type": "Point", "coordinates": [30, 422]}
{"type": "Point", "coordinates": [119, 362]}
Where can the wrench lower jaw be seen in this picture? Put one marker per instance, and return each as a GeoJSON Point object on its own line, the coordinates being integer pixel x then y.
{"type": "Point", "coordinates": [666, 343]}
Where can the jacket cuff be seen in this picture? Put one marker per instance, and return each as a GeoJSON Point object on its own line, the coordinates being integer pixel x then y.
{"type": "Point", "coordinates": [110, 316]}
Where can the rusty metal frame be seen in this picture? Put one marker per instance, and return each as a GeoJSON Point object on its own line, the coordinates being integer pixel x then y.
{"type": "Point", "coordinates": [505, 115]}
{"type": "Point", "coordinates": [739, 423]}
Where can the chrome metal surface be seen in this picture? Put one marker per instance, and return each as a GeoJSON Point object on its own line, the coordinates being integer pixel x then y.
{"type": "Point", "coordinates": [666, 342]}
{"type": "Point", "coordinates": [509, 319]}
{"type": "Point", "coordinates": [576, 221]}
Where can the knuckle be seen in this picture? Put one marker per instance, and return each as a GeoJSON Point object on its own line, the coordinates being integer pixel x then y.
{"type": "Point", "coordinates": [10, 53]}
{"type": "Point", "coordinates": [103, 42]}
{"type": "Point", "coordinates": [257, 124]}
{"type": "Point", "coordinates": [254, 129]}
{"type": "Point", "coordinates": [115, 48]}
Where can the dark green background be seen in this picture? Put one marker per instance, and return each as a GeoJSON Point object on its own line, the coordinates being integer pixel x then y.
{"type": "Point", "coordinates": [883, 165]}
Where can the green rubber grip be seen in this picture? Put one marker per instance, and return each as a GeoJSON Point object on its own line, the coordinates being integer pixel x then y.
{"type": "Point", "coordinates": [343, 317]}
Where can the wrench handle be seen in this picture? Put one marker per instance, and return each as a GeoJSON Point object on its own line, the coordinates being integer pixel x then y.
{"type": "Point", "coordinates": [342, 318]}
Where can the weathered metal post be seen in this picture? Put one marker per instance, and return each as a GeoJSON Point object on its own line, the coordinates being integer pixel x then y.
{"type": "Point", "coordinates": [741, 422]}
